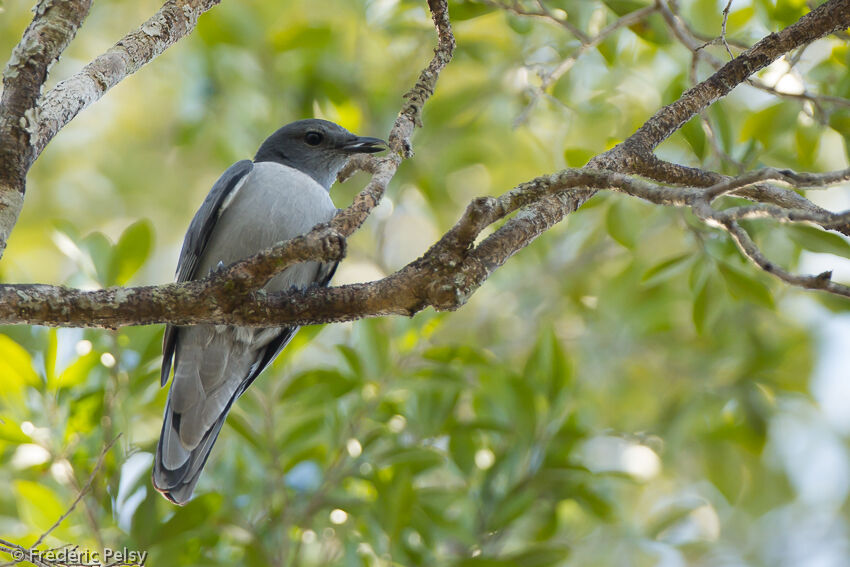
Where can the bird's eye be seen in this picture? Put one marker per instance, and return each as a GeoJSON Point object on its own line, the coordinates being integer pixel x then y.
{"type": "Point", "coordinates": [313, 138]}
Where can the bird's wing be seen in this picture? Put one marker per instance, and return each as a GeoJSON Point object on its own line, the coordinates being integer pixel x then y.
{"type": "Point", "coordinates": [214, 365]}
{"type": "Point", "coordinates": [196, 241]}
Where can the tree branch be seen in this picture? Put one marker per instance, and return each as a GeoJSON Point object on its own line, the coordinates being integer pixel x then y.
{"type": "Point", "coordinates": [28, 121]}
{"type": "Point", "coordinates": [175, 20]}
{"type": "Point", "coordinates": [454, 267]}
{"type": "Point", "coordinates": [829, 17]}
{"type": "Point", "coordinates": [443, 278]}
{"type": "Point", "coordinates": [51, 30]}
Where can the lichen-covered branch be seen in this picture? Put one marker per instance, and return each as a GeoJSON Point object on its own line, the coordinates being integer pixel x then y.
{"type": "Point", "coordinates": [443, 278]}
{"type": "Point", "coordinates": [175, 20]}
{"type": "Point", "coordinates": [827, 18]}
{"type": "Point", "coordinates": [28, 120]}
{"type": "Point", "coordinates": [455, 266]}
{"type": "Point", "coordinates": [51, 30]}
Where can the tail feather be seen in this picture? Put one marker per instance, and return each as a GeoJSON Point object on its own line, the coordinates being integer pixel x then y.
{"type": "Point", "coordinates": [176, 469]}
{"type": "Point", "coordinates": [216, 366]}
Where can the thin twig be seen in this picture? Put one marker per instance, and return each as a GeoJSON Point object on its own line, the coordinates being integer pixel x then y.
{"type": "Point", "coordinates": [81, 494]}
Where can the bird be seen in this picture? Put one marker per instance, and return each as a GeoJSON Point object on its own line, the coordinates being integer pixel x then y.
{"type": "Point", "coordinates": [282, 193]}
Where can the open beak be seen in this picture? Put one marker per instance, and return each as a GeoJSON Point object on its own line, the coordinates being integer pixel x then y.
{"type": "Point", "coordinates": [364, 145]}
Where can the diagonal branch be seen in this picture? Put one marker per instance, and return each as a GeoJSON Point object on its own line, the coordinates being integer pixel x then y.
{"type": "Point", "coordinates": [28, 120]}
{"type": "Point", "coordinates": [52, 28]}
{"type": "Point", "coordinates": [443, 278]}
{"type": "Point", "coordinates": [829, 17]}
{"type": "Point", "coordinates": [454, 267]}
{"type": "Point", "coordinates": [175, 20]}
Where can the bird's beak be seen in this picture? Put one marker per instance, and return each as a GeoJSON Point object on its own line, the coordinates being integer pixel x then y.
{"type": "Point", "coordinates": [363, 145]}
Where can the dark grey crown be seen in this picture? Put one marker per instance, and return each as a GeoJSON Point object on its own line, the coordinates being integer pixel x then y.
{"type": "Point", "coordinates": [317, 147]}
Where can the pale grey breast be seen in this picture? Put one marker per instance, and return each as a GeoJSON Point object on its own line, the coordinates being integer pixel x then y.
{"type": "Point", "coordinates": [273, 203]}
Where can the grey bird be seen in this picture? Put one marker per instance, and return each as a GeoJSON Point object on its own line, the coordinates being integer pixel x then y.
{"type": "Point", "coordinates": [282, 193]}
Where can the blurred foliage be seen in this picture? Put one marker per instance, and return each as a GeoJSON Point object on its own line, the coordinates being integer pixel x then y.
{"type": "Point", "coordinates": [626, 391]}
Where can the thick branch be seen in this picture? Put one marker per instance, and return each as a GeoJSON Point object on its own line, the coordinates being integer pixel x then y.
{"type": "Point", "coordinates": [175, 20]}
{"type": "Point", "coordinates": [443, 278]}
{"type": "Point", "coordinates": [454, 267]}
{"type": "Point", "coordinates": [829, 17]}
{"type": "Point", "coordinates": [47, 36]}
{"type": "Point", "coordinates": [28, 121]}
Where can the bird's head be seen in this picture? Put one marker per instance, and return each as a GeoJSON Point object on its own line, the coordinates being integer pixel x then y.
{"type": "Point", "coordinates": [317, 147]}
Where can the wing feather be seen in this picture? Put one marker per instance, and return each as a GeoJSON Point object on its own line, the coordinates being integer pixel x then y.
{"type": "Point", "coordinates": [195, 243]}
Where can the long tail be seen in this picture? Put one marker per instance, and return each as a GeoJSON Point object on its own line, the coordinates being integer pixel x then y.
{"type": "Point", "coordinates": [177, 484]}
{"type": "Point", "coordinates": [215, 367]}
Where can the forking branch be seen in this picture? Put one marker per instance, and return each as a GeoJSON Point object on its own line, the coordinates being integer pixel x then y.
{"type": "Point", "coordinates": [455, 266]}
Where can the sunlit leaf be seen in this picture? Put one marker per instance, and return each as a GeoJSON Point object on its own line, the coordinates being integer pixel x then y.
{"type": "Point", "coordinates": [621, 223]}
{"type": "Point", "coordinates": [38, 506]}
{"type": "Point", "coordinates": [78, 371]}
{"type": "Point", "coordinates": [819, 240]}
{"type": "Point", "coordinates": [98, 248]}
{"type": "Point", "coordinates": [130, 252]}
{"type": "Point", "coordinates": [744, 286]}
{"type": "Point", "coordinates": [16, 369]}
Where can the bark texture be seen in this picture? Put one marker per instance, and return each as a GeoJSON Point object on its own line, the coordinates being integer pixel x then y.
{"type": "Point", "coordinates": [455, 266]}
{"type": "Point", "coordinates": [29, 120]}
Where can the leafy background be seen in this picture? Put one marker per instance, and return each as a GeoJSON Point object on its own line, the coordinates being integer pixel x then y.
{"type": "Point", "coordinates": [626, 391]}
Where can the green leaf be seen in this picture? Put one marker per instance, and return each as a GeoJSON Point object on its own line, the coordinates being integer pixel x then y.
{"type": "Point", "coordinates": [524, 408]}
{"type": "Point", "coordinates": [78, 371]}
{"type": "Point", "coordinates": [666, 269]}
{"type": "Point", "coordinates": [745, 287]}
{"type": "Point", "coordinates": [241, 426]}
{"type": "Point", "coordinates": [192, 516]}
{"type": "Point", "coordinates": [352, 357]}
{"type": "Point", "coordinates": [695, 136]}
{"type": "Point", "coordinates": [707, 302]}
{"type": "Point", "coordinates": [520, 24]}
{"type": "Point", "coordinates": [577, 157]}
{"type": "Point", "coordinates": [511, 507]}
{"type": "Point", "coordinates": [459, 354]}
{"type": "Point", "coordinates": [329, 381]}
{"type": "Point", "coordinates": [622, 224]}
{"type": "Point", "coordinates": [130, 253]}
{"type": "Point", "coordinates": [840, 122]}
{"type": "Point", "coordinates": [99, 250]}
{"type": "Point", "coordinates": [38, 506]}
{"type": "Point", "coordinates": [819, 240]}
{"type": "Point", "coordinates": [10, 431]}
{"type": "Point", "coordinates": [789, 11]}
{"type": "Point", "coordinates": [547, 364]}
{"type": "Point", "coordinates": [623, 7]}
{"type": "Point", "coordinates": [462, 449]}
{"type": "Point", "coordinates": [417, 459]}
{"type": "Point", "coordinates": [765, 124]}
{"type": "Point", "coordinates": [806, 142]}
{"type": "Point", "coordinates": [720, 122]}
{"type": "Point", "coordinates": [468, 10]}
{"type": "Point", "coordinates": [16, 370]}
